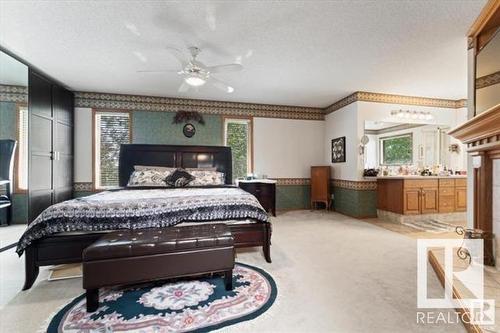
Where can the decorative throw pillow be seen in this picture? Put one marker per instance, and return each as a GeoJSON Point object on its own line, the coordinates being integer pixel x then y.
{"type": "Point", "coordinates": [207, 178]}
{"type": "Point", "coordinates": [148, 178]}
{"type": "Point", "coordinates": [179, 178]}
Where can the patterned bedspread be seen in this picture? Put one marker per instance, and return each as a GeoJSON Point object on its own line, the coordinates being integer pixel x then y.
{"type": "Point", "coordinates": [138, 209]}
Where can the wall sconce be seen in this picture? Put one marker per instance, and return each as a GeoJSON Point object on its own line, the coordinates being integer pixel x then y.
{"type": "Point", "coordinates": [454, 148]}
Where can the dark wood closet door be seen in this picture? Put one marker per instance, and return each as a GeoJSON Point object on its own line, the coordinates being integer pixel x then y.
{"type": "Point", "coordinates": [62, 106]}
{"type": "Point", "coordinates": [40, 144]}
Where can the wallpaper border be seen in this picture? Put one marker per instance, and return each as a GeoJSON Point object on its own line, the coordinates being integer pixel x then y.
{"type": "Point", "coordinates": [166, 104]}
{"type": "Point", "coordinates": [488, 80]}
{"type": "Point", "coordinates": [358, 185]}
{"type": "Point", "coordinates": [17, 94]}
{"type": "Point", "coordinates": [363, 96]}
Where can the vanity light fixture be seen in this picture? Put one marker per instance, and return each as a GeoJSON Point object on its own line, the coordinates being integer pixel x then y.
{"type": "Point", "coordinates": [407, 114]}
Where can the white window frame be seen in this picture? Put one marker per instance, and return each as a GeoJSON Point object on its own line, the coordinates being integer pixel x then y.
{"type": "Point", "coordinates": [97, 144]}
{"type": "Point", "coordinates": [249, 122]}
{"type": "Point", "coordinates": [381, 148]}
{"type": "Point", "coordinates": [21, 160]}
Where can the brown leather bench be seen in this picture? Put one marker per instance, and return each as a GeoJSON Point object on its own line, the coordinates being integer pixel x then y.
{"type": "Point", "coordinates": [135, 256]}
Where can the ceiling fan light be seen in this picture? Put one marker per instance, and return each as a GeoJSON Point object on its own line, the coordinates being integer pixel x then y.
{"type": "Point", "coordinates": [195, 81]}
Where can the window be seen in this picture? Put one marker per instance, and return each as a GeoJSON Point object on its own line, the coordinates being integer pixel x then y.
{"type": "Point", "coordinates": [21, 164]}
{"type": "Point", "coordinates": [238, 136]}
{"type": "Point", "coordinates": [111, 129]}
{"type": "Point", "coordinates": [397, 150]}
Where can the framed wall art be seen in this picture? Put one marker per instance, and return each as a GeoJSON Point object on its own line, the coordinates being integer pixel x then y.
{"type": "Point", "coordinates": [338, 150]}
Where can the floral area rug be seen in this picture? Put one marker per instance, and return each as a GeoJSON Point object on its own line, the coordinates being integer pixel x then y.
{"type": "Point", "coordinates": [199, 305]}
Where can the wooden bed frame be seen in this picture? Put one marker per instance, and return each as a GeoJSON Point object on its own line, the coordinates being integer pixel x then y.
{"type": "Point", "coordinates": [66, 248]}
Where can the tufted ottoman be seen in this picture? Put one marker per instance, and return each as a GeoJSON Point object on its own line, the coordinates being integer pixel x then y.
{"type": "Point", "coordinates": [134, 256]}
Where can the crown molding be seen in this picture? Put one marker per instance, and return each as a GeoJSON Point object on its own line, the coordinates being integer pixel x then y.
{"type": "Point", "coordinates": [484, 17]}
{"type": "Point", "coordinates": [488, 80]}
{"type": "Point", "coordinates": [166, 104]}
{"type": "Point", "coordinates": [482, 132]}
{"type": "Point", "coordinates": [363, 96]}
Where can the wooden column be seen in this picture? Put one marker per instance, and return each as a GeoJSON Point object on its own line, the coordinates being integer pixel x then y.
{"type": "Point", "coordinates": [481, 134]}
{"type": "Point", "coordinates": [483, 200]}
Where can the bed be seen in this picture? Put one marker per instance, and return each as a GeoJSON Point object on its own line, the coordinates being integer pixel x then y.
{"type": "Point", "coordinates": [67, 247]}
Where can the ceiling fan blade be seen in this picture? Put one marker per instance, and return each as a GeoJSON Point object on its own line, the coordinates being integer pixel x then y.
{"type": "Point", "coordinates": [184, 87]}
{"type": "Point", "coordinates": [225, 68]}
{"type": "Point", "coordinates": [181, 58]}
{"type": "Point", "coordinates": [221, 85]}
{"type": "Point", "coordinates": [159, 71]}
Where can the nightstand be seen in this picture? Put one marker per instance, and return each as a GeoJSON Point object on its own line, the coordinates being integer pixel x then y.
{"type": "Point", "coordinates": [264, 190]}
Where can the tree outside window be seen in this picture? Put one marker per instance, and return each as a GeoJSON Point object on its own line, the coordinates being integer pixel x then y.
{"type": "Point", "coordinates": [237, 135]}
{"type": "Point", "coordinates": [397, 150]}
{"type": "Point", "coordinates": [112, 129]}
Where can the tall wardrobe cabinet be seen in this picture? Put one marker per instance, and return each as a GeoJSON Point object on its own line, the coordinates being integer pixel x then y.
{"type": "Point", "coordinates": [50, 175]}
{"type": "Point", "coordinates": [320, 186]}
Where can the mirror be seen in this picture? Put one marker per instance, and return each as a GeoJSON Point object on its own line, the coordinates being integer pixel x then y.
{"type": "Point", "coordinates": [488, 75]}
{"type": "Point", "coordinates": [413, 147]}
{"type": "Point", "coordinates": [13, 126]}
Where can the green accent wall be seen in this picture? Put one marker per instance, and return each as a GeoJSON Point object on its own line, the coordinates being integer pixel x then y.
{"type": "Point", "coordinates": [355, 203]}
{"type": "Point", "coordinates": [8, 123]}
{"type": "Point", "coordinates": [157, 128]}
{"type": "Point", "coordinates": [82, 194]}
{"type": "Point", "coordinates": [8, 120]}
{"type": "Point", "coordinates": [292, 196]}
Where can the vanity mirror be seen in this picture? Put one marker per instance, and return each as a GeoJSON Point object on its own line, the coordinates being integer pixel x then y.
{"type": "Point", "coordinates": [13, 140]}
{"type": "Point", "coordinates": [488, 75]}
{"type": "Point", "coordinates": [412, 146]}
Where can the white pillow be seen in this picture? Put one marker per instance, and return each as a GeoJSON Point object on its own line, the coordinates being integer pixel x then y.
{"type": "Point", "coordinates": [206, 178]}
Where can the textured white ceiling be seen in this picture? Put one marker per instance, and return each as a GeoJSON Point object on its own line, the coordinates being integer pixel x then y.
{"type": "Point", "coordinates": [309, 53]}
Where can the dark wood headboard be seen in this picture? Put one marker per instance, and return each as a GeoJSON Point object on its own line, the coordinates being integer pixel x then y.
{"type": "Point", "coordinates": [174, 156]}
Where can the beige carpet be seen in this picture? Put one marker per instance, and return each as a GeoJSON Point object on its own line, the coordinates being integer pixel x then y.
{"type": "Point", "coordinates": [334, 274]}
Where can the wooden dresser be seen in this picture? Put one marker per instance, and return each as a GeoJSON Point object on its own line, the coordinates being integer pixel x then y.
{"type": "Point", "coordinates": [320, 185]}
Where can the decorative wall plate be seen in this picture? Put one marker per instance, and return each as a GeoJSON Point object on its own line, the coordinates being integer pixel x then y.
{"type": "Point", "coordinates": [189, 130]}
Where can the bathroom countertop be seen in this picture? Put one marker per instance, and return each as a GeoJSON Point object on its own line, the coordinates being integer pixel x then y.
{"type": "Point", "coordinates": [420, 177]}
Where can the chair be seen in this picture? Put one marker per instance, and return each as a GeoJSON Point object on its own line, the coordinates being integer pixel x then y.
{"type": "Point", "coordinates": [7, 150]}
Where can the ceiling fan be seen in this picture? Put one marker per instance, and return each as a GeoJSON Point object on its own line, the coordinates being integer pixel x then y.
{"type": "Point", "coordinates": [195, 73]}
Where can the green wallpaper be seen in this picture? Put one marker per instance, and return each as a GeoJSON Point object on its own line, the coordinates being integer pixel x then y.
{"type": "Point", "coordinates": [8, 122]}
{"type": "Point", "coordinates": [157, 128]}
{"type": "Point", "coordinates": [292, 196]}
{"type": "Point", "coordinates": [355, 203]}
